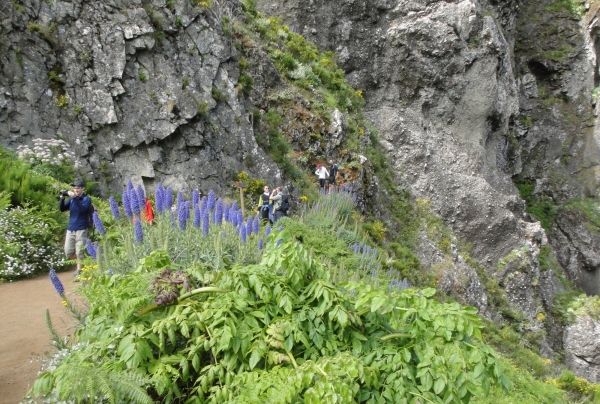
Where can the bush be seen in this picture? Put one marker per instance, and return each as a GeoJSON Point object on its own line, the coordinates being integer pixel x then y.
{"type": "Point", "coordinates": [28, 246]}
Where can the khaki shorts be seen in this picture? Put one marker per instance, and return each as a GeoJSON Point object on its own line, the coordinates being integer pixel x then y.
{"type": "Point", "coordinates": [75, 243]}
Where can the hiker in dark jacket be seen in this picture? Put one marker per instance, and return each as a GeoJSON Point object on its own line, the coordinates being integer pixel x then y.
{"type": "Point", "coordinates": [80, 210]}
{"type": "Point", "coordinates": [265, 206]}
{"type": "Point", "coordinates": [333, 170]}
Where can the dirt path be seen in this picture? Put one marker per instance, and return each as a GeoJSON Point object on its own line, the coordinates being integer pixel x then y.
{"type": "Point", "coordinates": [24, 337]}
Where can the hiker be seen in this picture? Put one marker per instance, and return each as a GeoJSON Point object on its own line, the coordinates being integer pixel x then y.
{"type": "Point", "coordinates": [280, 203]}
{"type": "Point", "coordinates": [333, 170]}
{"type": "Point", "coordinates": [148, 211]}
{"type": "Point", "coordinates": [322, 173]}
{"type": "Point", "coordinates": [80, 210]}
{"type": "Point", "coordinates": [265, 206]}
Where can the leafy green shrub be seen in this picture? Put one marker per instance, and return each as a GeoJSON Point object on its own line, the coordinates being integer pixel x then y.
{"type": "Point", "coordinates": [270, 331]}
{"type": "Point", "coordinates": [578, 387]}
{"type": "Point", "coordinates": [28, 245]}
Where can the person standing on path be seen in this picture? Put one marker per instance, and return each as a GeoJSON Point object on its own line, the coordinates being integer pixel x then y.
{"type": "Point", "coordinates": [80, 210]}
{"type": "Point", "coordinates": [322, 173]}
{"type": "Point", "coordinates": [333, 170]}
{"type": "Point", "coordinates": [264, 208]}
{"type": "Point", "coordinates": [278, 197]}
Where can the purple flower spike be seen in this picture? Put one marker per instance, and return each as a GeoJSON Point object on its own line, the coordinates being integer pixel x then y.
{"type": "Point", "coordinates": [168, 198]}
{"type": "Point", "coordinates": [135, 203]}
{"type": "Point", "coordinates": [197, 219]}
{"type": "Point", "coordinates": [141, 197]}
{"type": "Point", "coordinates": [249, 224]}
{"type": "Point", "coordinates": [129, 186]}
{"type": "Point", "coordinates": [90, 248]}
{"type": "Point", "coordinates": [278, 243]}
{"type": "Point", "coordinates": [195, 197]}
{"type": "Point", "coordinates": [243, 234]}
{"type": "Point", "coordinates": [138, 232]}
{"type": "Point", "coordinates": [60, 289]}
{"type": "Point", "coordinates": [203, 202]}
{"type": "Point", "coordinates": [260, 243]}
{"type": "Point", "coordinates": [180, 199]}
{"type": "Point", "coordinates": [98, 223]}
{"type": "Point", "coordinates": [205, 224]}
{"type": "Point", "coordinates": [226, 212]}
{"type": "Point", "coordinates": [255, 224]}
{"type": "Point", "coordinates": [159, 198]}
{"type": "Point", "coordinates": [211, 200]}
{"type": "Point", "coordinates": [267, 231]}
{"type": "Point", "coordinates": [219, 212]}
{"type": "Point", "coordinates": [355, 248]}
{"type": "Point", "coordinates": [181, 216]}
{"type": "Point", "coordinates": [234, 206]}
{"type": "Point", "coordinates": [240, 218]}
{"type": "Point", "coordinates": [234, 217]}
{"type": "Point", "coordinates": [114, 207]}
{"type": "Point", "coordinates": [127, 205]}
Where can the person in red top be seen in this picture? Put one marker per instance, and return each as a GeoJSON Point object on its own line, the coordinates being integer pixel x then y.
{"type": "Point", "coordinates": [148, 212]}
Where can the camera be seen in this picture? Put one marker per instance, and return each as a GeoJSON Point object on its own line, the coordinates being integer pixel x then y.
{"type": "Point", "coordinates": [64, 193]}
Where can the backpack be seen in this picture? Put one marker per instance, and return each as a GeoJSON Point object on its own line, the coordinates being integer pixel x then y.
{"type": "Point", "coordinates": [285, 204]}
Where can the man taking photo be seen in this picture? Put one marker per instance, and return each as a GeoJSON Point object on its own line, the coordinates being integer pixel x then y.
{"type": "Point", "coordinates": [80, 210]}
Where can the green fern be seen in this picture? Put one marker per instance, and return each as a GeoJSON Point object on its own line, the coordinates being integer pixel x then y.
{"type": "Point", "coordinates": [84, 383]}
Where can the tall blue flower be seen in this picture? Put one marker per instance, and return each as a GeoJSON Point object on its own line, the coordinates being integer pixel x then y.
{"type": "Point", "coordinates": [219, 212]}
{"type": "Point", "coordinates": [278, 243]}
{"type": "Point", "coordinates": [91, 250]}
{"type": "Point", "coordinates": [243, 234]}
{"type": "Point", "coordinates": [197, 219]}
{"type": "Point", "coordinates": [205, 224]}
{"type": "Point", "coordinates": [240, 218]}
{"type": "Point", "coordinates": [356, 247]}
{"type": "Point", "coordinates": [168, 198]}
{"type": "Point", "coordinates": [127, 205]}
{"type": "Point", "coordinates": [234, 217]}
{"type": "Point", "coordinates": [181, 215]}
{"type": "Point", "coordinates": [129, 186]}
{"type": "Point", "coordinates": [114, 207]}
{"type": "Point", "coordinates": [195, 197]}
{"type": "Point", "coordinates": [256, 224]}
{"type": "Point", "coordinates": [211, 200]}
{"type": "Point", "coordinates": [60, 289]}
{"type": "Point", "coordinates": [135, 203]}
{"type": "Point", "coordinates": [138, 232]}
{"type": "Point", "coordinates": [234, 206]}
{"type": "Point", "coordinates": [180, 199]}
{"type": "Point", "coordinates": [141, 197]}
{"type": "Point", "coordinates": [226, 212]}
{"type": "Point", "coordinates": [159, 198]}
{"type": "Point", "coordinates": [267, 231]}
{"type": "Point", "coordinates": [98, 223]}
{"type": "Point", "coordinates": [249, 224]}
{"type": "Point", "coordinates": [260, 243]}
{"type": "Point", "coordinates": [204, 202]}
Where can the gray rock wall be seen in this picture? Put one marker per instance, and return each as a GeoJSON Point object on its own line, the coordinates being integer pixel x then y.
{"type": "Point", "coordinates": [131, 87]}
{"type": "Point", "coordinates": [461, 113]}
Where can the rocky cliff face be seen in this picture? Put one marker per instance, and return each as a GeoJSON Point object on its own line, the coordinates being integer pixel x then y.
{"type": "Point", "coordinates": [471, 98]}
{"type": "Point", "coordinates": [140, 90]}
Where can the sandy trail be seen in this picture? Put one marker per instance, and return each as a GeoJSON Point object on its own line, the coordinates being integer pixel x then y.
{"type": "Point", "coordinates": [25, 339]}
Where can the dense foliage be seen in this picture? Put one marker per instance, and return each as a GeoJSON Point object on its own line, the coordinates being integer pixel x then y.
{"type": "Point", "coordinates": [277, 329]}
